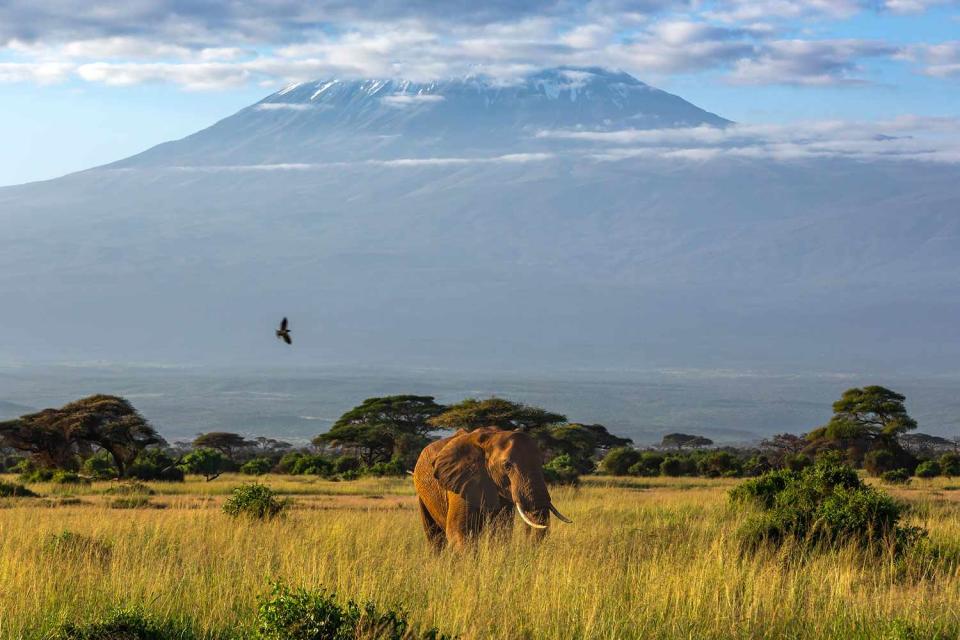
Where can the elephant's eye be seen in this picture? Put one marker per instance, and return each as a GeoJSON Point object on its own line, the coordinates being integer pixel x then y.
{"type": "Point", "coordinates": [507, 465]}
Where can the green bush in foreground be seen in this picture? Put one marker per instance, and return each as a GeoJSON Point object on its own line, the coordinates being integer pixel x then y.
{"type": "Point", "coordinates": [826, 503]}
{"type": "Point", "coordinates": [257, 467]}
{"type": "Point", "coordinates": [928, 469]}
{"type": "Point", "coordinates": [298, 614]}
{"type": "Point", "coordinates": [126, 624]}
{"type": "Point", "coordinates": [896, 476]}
{"type": "Point", "coordinates": [561, 470]}
{"type": "Point", "coordinates": [256, 501]}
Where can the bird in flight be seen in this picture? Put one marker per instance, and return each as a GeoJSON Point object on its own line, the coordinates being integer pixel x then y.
{"type": "Point", "coordinates": [283, 333]}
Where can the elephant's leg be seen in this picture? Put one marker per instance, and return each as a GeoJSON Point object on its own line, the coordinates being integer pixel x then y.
{"type": "Point", "coordinates": [460, 526]}
{"type": "Point", "coordinates": [433, 530]}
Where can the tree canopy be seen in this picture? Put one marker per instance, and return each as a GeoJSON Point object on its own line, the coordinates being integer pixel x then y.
{"type": "Point", "coordinates": [60, 437]}
{"type": "Point", "coordinates": [384, 427]}
{"type": "Point", "coordinates": [495, 412]}
{"type": "Point", "coordinates": [224, 442]}
{"type": "Point", "coordinates": [681, 440]}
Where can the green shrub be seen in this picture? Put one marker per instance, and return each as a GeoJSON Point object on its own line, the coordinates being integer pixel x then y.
{"type": "Point", "coordinates": [31, 474]}
{"type": "Point", "coordinates": [648, 464]}
{"type": "Point", "coordinates": [298, 614]}
{"type": "Point", "coordinates": [256, 467]}
{"type": "Point", "coordinates": [209, 463]}
{"type": "Point", "coordinates": [155, 464]}
{"type": "Point", "coordinates": [345, 464]}
{"type": "Point", "coordinates": [130, 488]}
{"type": "Point", "coordinates": [618, 461]}
{"type": "Point", "coordinates": [928, 469]}
{"type": "Point", "coordinates": [100, 466]}
{"type": "Point", "coordinates": [67, 477]}
{"type": "Point", "coordinates": [256, 501]}
{"type": "Point", "coordinates": [12, 490]}
{"type": "Point", "coordinates": [797, 462]}
{"type": "Point", "coordinates": [950, 465]}
{"type": "Point", "coordinates": [897, 476]}
{"type": "Point", "coordinates": [561, 470]}
{"type": "Point", "coordinates": [671, 466]}
{"type": "Point", "coordinates": [826, 503]}
{"type": "Point", "coordinates": [719, 463]}
{"type": "Point", "coordinates": [392, 468]}
{"type": "Point", "coordinates": [68, 544]}
{"type": "Point", "coordinates": [126, 624]}
{"type": "Point", "coordinates": [313, 465]}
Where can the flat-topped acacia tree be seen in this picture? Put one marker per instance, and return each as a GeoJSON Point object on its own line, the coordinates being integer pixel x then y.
{"type": "Point", "coordinates": [58, 437]}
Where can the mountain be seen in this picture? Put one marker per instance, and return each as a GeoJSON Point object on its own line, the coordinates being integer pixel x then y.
{"type": "Point", "coordinates": [338, 120]}
{"type": "Point", "coordinates": [436, 225]}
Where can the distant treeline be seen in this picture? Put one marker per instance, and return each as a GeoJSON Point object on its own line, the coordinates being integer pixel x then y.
{"type": "Point", "coordinates": [104, 437]}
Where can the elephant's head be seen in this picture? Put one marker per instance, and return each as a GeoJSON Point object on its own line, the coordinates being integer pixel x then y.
{"type": "Point", "coordinates": [488, 466]}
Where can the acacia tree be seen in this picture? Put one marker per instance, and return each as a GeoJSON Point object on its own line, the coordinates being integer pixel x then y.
{"type": "Point", "coordinates": [681, 440]}
{"type": "Point", "coordinates": [495, 412]}
{"type": "Point", "coordinates": [865, 420]}
{"type": "Point", "coordinates": [58, 437]}
{"type": "Point", "coordinates": [226, 443]}
{"type": "Point", "coordinates": [384, 427]}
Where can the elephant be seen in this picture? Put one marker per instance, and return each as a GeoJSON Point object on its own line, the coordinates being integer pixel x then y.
{"type": "Point", "coordinates": [477, 478]}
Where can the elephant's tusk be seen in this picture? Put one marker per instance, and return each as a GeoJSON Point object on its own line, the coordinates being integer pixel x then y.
{"type": "Point", "coordinates": [524, 517]}
{"type": "Point", "coordinates": [560, 516]}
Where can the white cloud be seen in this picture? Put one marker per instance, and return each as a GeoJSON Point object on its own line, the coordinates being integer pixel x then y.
{"type": "Point", "coordinates": [904, 138]}
{"type": "Point", "coordinates": [940, 60]}
{"type": "Point", "coordinates": [39, 72]}
{"type": "Point", "coordinates": [809, 62]}
{"type": "Point", "coordinates": [407, 99]}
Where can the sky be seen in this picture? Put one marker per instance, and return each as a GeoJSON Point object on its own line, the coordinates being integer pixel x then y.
{"type": "Point", "coordinates": [85, 82]}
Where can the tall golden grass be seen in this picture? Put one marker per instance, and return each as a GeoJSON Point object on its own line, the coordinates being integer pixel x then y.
{"type": "Point", "coordinates": [644, 559]}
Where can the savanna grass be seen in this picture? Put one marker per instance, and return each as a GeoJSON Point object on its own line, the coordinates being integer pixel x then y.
{"type": "Point", "coordinates": [650, 558]}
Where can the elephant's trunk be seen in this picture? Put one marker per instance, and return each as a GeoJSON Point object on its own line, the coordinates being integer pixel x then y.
{"type": "Point", "coordinates": [532, 500]}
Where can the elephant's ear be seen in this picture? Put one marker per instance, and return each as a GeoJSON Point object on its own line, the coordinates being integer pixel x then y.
{"type": "Point", "coordinates": [461, 467]}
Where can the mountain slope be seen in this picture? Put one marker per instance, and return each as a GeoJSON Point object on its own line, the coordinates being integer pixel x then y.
{"type": "Point", "coordinates": [337, 120]}
{"type": "Point", "coordinates": [479, 244]}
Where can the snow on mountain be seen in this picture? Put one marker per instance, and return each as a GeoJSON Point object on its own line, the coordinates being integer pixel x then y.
{"type": "Point", "coordinates": [337, 120]}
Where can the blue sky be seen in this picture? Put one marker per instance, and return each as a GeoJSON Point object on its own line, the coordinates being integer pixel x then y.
{"type": "Point", "coordinates": [84, 82]}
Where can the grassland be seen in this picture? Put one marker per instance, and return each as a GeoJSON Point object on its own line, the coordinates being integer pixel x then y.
{"type": "Point", "coordinates": [651, 558]}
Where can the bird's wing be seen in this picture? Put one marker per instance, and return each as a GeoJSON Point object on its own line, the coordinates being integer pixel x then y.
{"type": "Point", "coordinates": [286, 338]}
{"type": "Point", "coordinates": [283, 325]}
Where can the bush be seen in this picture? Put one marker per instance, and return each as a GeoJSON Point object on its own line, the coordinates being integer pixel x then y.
{"type": "Point", "coordinates": [209, 463]}
{"type": "Point", "coordinates": [11, 490]}
{"type": "Point", "coordinates": [155, 464]}
{"type": "Point", "coordinates": [31, 474]}
{"type": "Point", "coordinates": [256, 467]}
{"type": "Point", "coordinates": [67, 477]}
{"type": "Point", "coordinates": [928, 469]}
{"type": "Point", "coordinates": [672, 466]}
{"type": "Point", "coordinates": [126, 624]}
{"type": "Point", "coordinates": [826, 503]}
{"type": "Point", "coordinates": [313, 465]}
{"type": "Point", "coordinates": [256, 501]}
{"type": "Point", "coordinates": [648, 465]}
{"type": "Point", "coordinates": [100, 466]}
{"type": "Point", "coordinates": [618, 461]}
{"type": "Point", "coordinates": [130, 488]}
{"type": "Point", "coordinates": [561, 470]}
{"type": "Point", "coordinates": [298, 614]}
{"type": "Point", "coordinates": [392, 468]}
{"type": "Point", "coordinates": [719, 463]}
{"type": "Point", "coordinates": [345, 464]}
{"type": "Point", "coordinates": [897, 476]}
{"type": "Point", "coordinates": [950, 464]}
{"type": "Point", "coordinates": [797, 462]}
